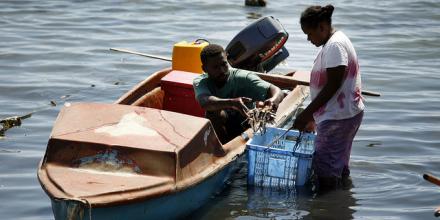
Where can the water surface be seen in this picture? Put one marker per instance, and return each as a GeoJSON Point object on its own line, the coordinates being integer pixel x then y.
{"type": "Point", "coordinates": [58, 51]}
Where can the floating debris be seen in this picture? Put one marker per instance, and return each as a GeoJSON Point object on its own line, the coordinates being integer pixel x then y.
{"type": "Point", "coordinates": [253, 15]}
{"type": "Point", "coordinates": [258, 3]}
{"type": "Point", "coordinates": [52, 103]}
{"type": "Point", "coordinates": [93, 85]}
{"type": "Point", "coordinates": [9, 151]}
{"type": "Point", "coordinates": [374, 144]}
{"type": "Point", "coordinates": [10, 122]}
{"type": "Point", "coordinates": [64, 96]}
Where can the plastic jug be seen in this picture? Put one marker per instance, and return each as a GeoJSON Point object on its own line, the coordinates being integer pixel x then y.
{"type": "Point", "coordinates": [186, 56]}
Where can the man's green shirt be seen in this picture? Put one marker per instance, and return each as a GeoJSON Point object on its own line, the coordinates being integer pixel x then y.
{"type": "Point", "coordinates": [240, 83]}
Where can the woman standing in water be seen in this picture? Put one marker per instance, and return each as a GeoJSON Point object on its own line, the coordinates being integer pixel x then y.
{"type": "Point", "coordinates": [337, 106]}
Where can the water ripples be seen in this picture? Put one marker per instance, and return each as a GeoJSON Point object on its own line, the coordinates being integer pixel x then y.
{"type": "Point", "coordinates": [57, 51]}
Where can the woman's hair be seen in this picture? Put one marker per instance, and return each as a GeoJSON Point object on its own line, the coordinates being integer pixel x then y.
{"type": "Point", "coordinates": [313, 15]}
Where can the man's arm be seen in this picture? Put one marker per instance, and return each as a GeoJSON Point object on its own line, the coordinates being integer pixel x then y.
{"type": "Point", "coordinates": [335, 78]}
{"type": "Point", "coordinates": [213, 103]}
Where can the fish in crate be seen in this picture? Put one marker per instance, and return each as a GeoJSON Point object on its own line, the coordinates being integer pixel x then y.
{"type": "Point", "coordinates": [260, 117]}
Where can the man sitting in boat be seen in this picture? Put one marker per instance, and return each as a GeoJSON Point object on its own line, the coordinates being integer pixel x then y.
{"type": "Point", "coordinates": [227, 94]}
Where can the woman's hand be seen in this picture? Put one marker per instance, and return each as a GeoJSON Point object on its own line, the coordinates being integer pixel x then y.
{"type": "Point", "coordinates": [302, 120]}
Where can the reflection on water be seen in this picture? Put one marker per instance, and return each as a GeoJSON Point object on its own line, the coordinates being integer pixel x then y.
{"type": "Point", "coordinates": [243, 202]}
{"type": "Point", "coordinates": [337, 204]}
{"type": "Point", "coordinates": [279, 204]}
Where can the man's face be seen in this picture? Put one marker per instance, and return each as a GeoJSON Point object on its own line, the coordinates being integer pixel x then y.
{"type": "Point", "coordinates": [217, 68]}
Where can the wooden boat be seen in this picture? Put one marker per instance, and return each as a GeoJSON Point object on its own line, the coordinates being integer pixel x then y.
{"type": "Point", "coordinates": [134, 160]}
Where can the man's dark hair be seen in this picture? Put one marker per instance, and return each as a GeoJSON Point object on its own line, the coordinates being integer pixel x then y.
{"type": "Point", "coordinates": [313, 15]}
{"type": "Point", "coordinates": [210, 51]}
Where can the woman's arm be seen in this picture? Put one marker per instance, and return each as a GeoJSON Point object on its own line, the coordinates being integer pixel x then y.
{"type": "Point", "coordinates": [335, 78]}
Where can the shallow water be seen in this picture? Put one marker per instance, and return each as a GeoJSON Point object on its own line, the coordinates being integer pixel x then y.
{"type": "Point", "coordinates": [58, 51]}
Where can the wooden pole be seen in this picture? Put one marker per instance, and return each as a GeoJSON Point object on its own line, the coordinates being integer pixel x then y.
{"type": "Point", "coordinates": [141, 54]}
{"type": "Point", "coordinates": [285, 79]}
{"type": "Point", "coordinates": [432, 179]}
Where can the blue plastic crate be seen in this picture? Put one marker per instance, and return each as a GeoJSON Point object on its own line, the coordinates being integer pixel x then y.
{"type": "Point", "coordinates": [285, 164]}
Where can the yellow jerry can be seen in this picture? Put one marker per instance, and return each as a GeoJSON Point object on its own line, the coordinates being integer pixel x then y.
{"type": "Point", "coordinates": [186, 56]}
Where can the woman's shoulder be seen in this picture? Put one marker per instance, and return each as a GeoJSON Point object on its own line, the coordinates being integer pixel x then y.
{"type": "Point", "coordinates": [339, 37]}
{"type": "Point", "coordinates": [338, 40]}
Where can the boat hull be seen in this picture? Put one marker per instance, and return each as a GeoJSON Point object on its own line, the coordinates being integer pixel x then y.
{"type": "Point", "coordinates": [172, 206]}
{"type": "Point", "coordinates": [175, 180]}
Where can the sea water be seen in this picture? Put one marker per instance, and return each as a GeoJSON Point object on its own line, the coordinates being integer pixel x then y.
{"type": "Point", "coordinates": [58, 52]}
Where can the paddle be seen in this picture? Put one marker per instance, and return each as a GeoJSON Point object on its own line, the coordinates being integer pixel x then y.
{"type": "Point", "coordinates": [299, 77]}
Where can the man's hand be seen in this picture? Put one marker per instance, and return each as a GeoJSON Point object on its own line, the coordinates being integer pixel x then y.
{"type": "Point", "coordinates": [238, 105]}
{"type": "Point", "coordinates": [275, 96]}
{"type": "Point", "coordinates": [271, 104]}
{"type": "Point", "coordinates": [213, 103]}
